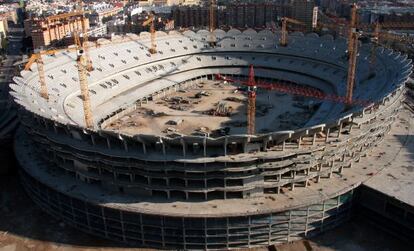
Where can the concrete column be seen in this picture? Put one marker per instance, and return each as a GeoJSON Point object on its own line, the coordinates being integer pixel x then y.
{"type": "Point", "coordinates": [314, 139]}
{"type": "Point", "coordinates": [283, 145]}
{"type": "Point", "coordinates": [327, 134]}
{"type": "Point", "coordinates": [183, 144]}
{"type": "Point", "coordinates": [144, 148]}
{"type": "Point", "coordinates": [225, 145]}
{"type": "Point", "coordinates": [299, 141]}
{"type": "Point", "coordinates": [245, 145]}
{"type": "Point", "coordinates": [340, 129]}
{"type": "Point", "coordinates": [292, 186]}
{"type": "Point", "coordinates": [93, 139]}
{"type": "Point", "coordinates": [163, 148]}
{"type": "Point", "coordinates": [108, 142]}
{"type": "Point", "coordinates": [205, 147]}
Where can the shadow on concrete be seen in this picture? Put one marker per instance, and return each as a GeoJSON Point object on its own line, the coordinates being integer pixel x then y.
{"type": "Point", "coordinates": [27, 227]}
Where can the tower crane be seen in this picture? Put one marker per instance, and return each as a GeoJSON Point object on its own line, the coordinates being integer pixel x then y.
{"type": "Point", "coordinates": [212, 38]}
{"type": "Point", "coordinates": [82, 64]}
{"type": "Point", "coordinates": [252, 86]}
{"type": "Point", "coordinates": [37, 57]}
{"type": "Point", "coordinates": [285, 21]}
{"type": "Point", "coordinates": [151, 22]}
{"type": "Point", "coordinates": [352, 53]}
{"type": "Point", "coordinates": [79, 9]}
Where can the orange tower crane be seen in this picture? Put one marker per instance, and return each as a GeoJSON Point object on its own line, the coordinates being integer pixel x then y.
{"type": "Point", "coordinates": [251, 102]}
{"type": "Point", "coordinates": [151, 22]}
{"type": "Point", "coordinates": [81, 61]}
{"type": "Point", "coordinates": [284, 37]}
{"type": "Point", "coordinates": [212, 38]}
{"type": "Point", "coordinates": [352, 53]}
{"type": "Point", "coordinates": [37, 57]}
{"type": "Point", "coordinates": [85, 38]}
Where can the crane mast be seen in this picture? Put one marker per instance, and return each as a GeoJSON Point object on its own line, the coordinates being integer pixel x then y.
{"type": "Point", "coordinates": [284, 36]}
{"type": "Point", "coordinates": [83, 82]}
{"type": "Point", "coordinates": [151, 22]}
{"type": "Point", "coordinates": [352, 54]}
{"type": "Point", "coordinates": [43, 88]}
{"type": "Point", "coordinates": [251, 102]}
{"type": "Point", "coordinates": [79, 9]}
{"type": "Point", "coordinates": [212, 38]}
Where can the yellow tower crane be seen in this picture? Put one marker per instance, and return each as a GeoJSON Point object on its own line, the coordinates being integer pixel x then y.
{"type": "Point", "coordinates": [151, 22]}
{"type": "Point", "coordinates": [37, 57]}
{"type": "Point", "coordinates": [212, 38]}
{"type": "Point", "coordinates": [82, 64]}
{"type": "Point", "coordinates": [85, 38]}
{"type": "Point", "coordinates": [352, 53]}
{"type": "Point", "coordinates": [284, 36]}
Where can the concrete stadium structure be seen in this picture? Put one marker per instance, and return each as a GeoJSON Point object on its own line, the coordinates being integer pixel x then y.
{"type": "Point", "coordinates": [200, 192]}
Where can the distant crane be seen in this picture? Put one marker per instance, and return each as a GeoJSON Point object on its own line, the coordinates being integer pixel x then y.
{"type": "Point", "coordinates": [212, 38]}
{"type": "Point", "coordinates": [37, 57]}
{"type": "Point", "coordinates": [284, 37]}
{"type": "Point", "coordinates": [352, 54]}
{"type": "Point", "coordinates": [151, 22]}
{"type": "Point", "coordinates": [79, 9]}
{"type": "Point", "coordinates": [82, 64]}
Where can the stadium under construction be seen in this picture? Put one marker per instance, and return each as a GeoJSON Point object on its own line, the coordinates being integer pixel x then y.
{"type": "Point", "coordinates": [166, 160]}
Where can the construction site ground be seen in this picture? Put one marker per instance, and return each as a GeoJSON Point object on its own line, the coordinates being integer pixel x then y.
{"type": "Point", "coordinates": [215, 108]}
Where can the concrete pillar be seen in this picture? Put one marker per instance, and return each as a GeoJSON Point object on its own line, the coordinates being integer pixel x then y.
{"type": "Point", "coordinates": [163, 148]}
{"type": "Point", "coordinates": [283, 145]}
{"type": "Point", "coordinates": [144, 148]}
{"type": "Point", "coordinates": [318, 178]}
{"type": "Point", "coordinates": [314, 139]}
{"type": "Point", "coordinates": [340, 129]}
{"type": "Point", "coordinates": [327, 134]}
{"type": "Point", "coordinates": [245, 145]}
{"type": "Point", "coordinates": [108, 142]}
{"type": "Point", "coordinates": [205, 147]}
{"type": "Point", "coordinates": [183, 144]}
{"type": "Point", "coordinates": [299, 141]}
{"type": "Point", "coordinates": [292, 186]}
{"type": "Point", "coordinates": [126, 145]}
{"type": "Point", "coordinates": [225, 145]}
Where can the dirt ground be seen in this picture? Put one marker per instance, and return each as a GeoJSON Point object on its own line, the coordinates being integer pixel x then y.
{"type": "Point", "coordinates": [213, 105]}
{"type": "Point", "coordinates": [24, 227]}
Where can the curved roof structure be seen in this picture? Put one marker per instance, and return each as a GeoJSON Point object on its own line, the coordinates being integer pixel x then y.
{"type": "Point", "coordinates": [126, 72]}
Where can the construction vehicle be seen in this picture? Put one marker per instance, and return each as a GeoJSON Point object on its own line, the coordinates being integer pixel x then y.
{"type": "Point", "coordinates": [284, 36]}
{"type": "Point", "coordinates": [151, 22]}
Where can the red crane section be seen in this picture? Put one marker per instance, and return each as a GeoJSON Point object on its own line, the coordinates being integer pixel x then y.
{"type": "Point", "coordinates": [283, 87]}
{"type": "Point", "coordinates": [251, 103]}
